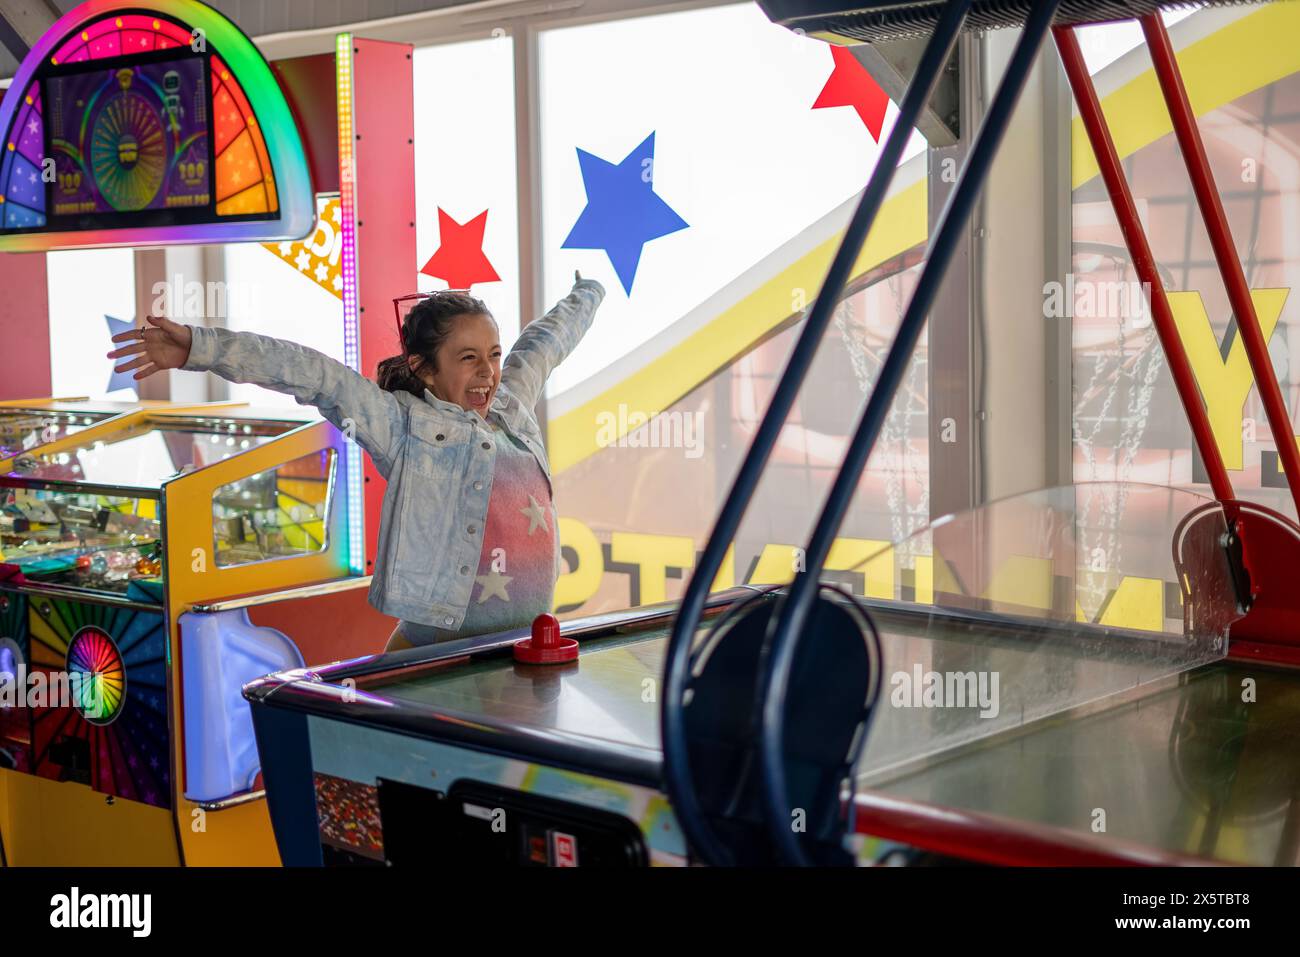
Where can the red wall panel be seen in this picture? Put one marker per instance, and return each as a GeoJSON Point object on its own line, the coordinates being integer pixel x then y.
{"type": "Point", "coordinates": [383, 118]}
{"type": "Point", "coordinates": [24, 326]}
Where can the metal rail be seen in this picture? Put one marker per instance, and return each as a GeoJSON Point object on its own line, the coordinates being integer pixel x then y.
{"type": "Point", "coordinates": [315, 590]}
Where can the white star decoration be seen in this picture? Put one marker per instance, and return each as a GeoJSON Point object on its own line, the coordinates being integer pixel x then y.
{"type": "Point", "coordinates": [493, 583]}
{"type": "Point", "coordinates": [302, 261]}
{"type": "Point", "coordinates": [536, 516]}
{"type": "Point", "coordinates": [321, 271]}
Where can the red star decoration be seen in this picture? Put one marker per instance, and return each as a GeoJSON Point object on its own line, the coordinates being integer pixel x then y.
{"type": "Point", "coordinates": [460, 259]}
{"type": "Point", "coordinates": [851, 85]}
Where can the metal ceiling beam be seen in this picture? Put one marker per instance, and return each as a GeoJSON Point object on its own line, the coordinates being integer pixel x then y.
{"type": "Point", "coordinates": [23, 22]}
{"type": "Point", "coordinates": [891, 64]}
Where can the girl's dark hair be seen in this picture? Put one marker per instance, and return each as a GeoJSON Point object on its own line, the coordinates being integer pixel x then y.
{"type": "Point", "coordinates": [424, 330]}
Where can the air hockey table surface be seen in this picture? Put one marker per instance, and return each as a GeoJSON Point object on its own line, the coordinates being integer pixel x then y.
{"type": "Point", "coordinates": [1176, 769]}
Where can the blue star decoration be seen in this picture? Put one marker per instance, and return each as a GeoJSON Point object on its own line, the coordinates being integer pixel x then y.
{"type": "Point", "coordinates": [120, 380]}
{"type": "Point", "coordinates": [623, 212]}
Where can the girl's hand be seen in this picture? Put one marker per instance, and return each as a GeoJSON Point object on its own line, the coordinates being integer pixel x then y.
{"type": "Point", "coordinates": [577, 276]}
{"type": "Point", "coordinates": [164, 346]}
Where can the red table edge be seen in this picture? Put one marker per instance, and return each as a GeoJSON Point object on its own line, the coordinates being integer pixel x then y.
{"type": "Point", "coordinates": [989, 839]}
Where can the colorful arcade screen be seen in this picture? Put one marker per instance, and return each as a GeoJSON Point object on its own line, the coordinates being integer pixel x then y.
{"type": "Point", "coordinates": [122, 129]}
{"type": "Point", "coordinates": [129, 139]}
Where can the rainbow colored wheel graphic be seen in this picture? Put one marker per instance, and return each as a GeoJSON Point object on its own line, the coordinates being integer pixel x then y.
{"type": "Point", "coordinates": [130, 758]}
{"type": "Point", "coordinates": [128, 152]}
{"type": "Point", "coordinates": [98, 675]}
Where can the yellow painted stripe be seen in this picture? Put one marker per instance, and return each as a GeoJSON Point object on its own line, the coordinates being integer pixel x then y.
{"type": "Point", "coordinates": [37, 403]}
{"type": "Point", "coordinates": [571, 437]}
{"type": "Point", "coordinates": [1244, 56]}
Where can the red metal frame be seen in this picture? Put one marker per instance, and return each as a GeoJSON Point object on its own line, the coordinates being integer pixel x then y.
{"type": "Point", "coordinates": [1225, 251]}
{"type": "Point", "coordinates": [1121, 198]}
{"type": "Point", "coordinates": [1270, 631]}
{"type": "Point", "coordinates": [1000, 841]}
{"type": "Point", "coordinates": [383, 121]}
{"type": "Point", "coordinates": [26, 368]}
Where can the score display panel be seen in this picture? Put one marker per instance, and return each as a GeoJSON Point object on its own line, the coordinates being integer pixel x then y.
{"type": "Point", "coordinates": [132, 143]}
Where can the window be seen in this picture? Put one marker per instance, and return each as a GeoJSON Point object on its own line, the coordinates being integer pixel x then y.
{"type": "Point", "coordinates": [466, 208]}
{"type": "Point", "coordinates": [1105, 43]}
{"type": "Point", "coordinates": [1129, 424]}
{"type": "Point", "coordinates": [82, 326]}
{"type": "Point", "coordinates": [280, 513]}
{"type": "Point", "coordinates": [739, 159]}
{"type": "Point", "coordinates": [706, 190]}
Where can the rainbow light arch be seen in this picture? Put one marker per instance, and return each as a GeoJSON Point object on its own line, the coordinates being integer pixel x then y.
{"type": "Point", "coordinates": [242, 85]}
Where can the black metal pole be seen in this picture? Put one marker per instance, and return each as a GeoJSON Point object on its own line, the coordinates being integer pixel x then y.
{"type": "Point", "coordinates": [678, 655]}
{"type": "Point", "coordinates": [797, 605]}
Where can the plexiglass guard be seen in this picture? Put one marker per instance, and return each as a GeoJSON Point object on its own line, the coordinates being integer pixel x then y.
{"type": "Point", "coordinates": [1041, 605]}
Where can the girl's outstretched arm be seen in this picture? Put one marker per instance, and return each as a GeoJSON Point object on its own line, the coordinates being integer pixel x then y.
{"type": "Point", "coordinates": [545, 342]}
{"type": "Point", "coordinates": [344, 397]}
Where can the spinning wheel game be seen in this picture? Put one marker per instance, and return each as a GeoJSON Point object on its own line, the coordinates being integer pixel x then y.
{"type": "Point", "coordinates": [127, 153]}
{"type": "Point", "coordinates": [122, 142]}
{"type": "Point", "coordinates": [114, 738]}
{"type": "Point", "coordinates": [134, 127]}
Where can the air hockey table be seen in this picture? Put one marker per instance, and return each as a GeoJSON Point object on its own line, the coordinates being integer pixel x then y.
{"type": "Point", "coordinates": [357, 755]}
{"type": "Point", "coordinates": [1118, 731]}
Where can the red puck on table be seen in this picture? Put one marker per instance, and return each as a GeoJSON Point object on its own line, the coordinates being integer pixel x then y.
{"type": "Point", "coordinates": [546, 647]}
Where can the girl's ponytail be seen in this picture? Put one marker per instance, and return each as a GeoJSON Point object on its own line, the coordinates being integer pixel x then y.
{"type": "Point", "coordinates": [424, 330]}
{"type": "Point", "coordinates": [395, 375]}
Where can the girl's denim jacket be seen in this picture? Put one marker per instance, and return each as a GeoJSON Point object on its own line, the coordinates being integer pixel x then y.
{"type": "Point", "coordinates": [436, 457]}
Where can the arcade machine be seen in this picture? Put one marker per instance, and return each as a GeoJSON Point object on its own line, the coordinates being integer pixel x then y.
{"type": "Point", "coordinates": [791, 725]}
{"type": "Point", "coordinates": [25, 424]}
{"type": "Point", "coordinates": [166, 554]}
{"type": "Point", "coordinates": [99, 537]}
{"type": "Point", "coordinates": [411, 754]}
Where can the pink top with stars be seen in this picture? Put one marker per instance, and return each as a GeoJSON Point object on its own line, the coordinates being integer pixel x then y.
{"type": "Point", "coordinates": [518, 564]}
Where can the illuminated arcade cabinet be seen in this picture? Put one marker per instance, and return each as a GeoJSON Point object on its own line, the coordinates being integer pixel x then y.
{"type": "Point", "coordinates": [166, 554]}
{"type": "Point", "coordinates": [24, 424]}
{"type": "Point", "coordinates": [27, 423]}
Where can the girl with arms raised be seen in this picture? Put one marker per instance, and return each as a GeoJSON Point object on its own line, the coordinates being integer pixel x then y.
{"type": "Point", "coordinates": [467, 539]}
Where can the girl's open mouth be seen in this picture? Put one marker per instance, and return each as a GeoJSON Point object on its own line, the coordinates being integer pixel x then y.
{"type": "Point", "coordinates": [478, 396]}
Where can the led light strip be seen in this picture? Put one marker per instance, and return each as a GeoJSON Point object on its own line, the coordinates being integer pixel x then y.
{"type": "Point", "coordinates": [351, 326]}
